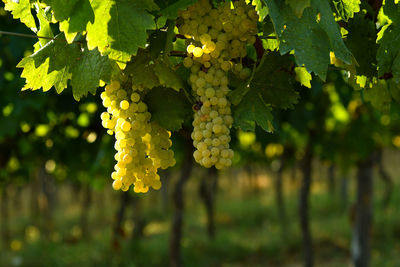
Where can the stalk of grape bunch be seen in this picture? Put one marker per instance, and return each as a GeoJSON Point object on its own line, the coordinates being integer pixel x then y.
{"type": "Point", "coordinates": [216, 39]}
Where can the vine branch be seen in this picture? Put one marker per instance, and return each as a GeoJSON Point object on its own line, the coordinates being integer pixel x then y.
{"type": "Point", "coordinates": [26, 35]}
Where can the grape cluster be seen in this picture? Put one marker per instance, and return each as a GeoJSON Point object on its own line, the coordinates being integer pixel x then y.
{"type": "Point", "coordinates": [142, 146]}
{"type": "Point", "coordinates": [216, 41]}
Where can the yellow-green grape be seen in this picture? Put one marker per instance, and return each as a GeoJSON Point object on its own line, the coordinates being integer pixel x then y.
{"type": "Point", "coordinates": [216, 37]}
{"type": "Point", "coordinates": [142, 146]}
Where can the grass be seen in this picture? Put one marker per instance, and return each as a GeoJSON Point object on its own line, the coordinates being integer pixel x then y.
{"type": "Point", "coordinates": [249, 232]}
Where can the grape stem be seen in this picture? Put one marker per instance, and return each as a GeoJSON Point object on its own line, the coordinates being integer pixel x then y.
{"type": "Point", "coordinates": [30, 36]}
{"type": "Point", "coordinates": [178, 54]}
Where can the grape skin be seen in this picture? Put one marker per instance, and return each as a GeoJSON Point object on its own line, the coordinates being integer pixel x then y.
{"type": "Point", "coordinates": [216, 36]}
{"type": "Point", "coordinates": [142, 146]}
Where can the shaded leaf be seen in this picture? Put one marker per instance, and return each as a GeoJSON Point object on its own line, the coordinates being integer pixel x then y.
{"type": "Point", "coordinates": [253, 111]}
{"type": "Point", "coordinates": [167, 76]}
{"type": "Point", "coordinates": [168, 107]}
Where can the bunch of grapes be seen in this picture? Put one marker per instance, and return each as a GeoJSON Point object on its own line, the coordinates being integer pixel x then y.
{"type": "Point", "coordinates": [216, 38]}
{"type": "Point", "coordinates": [142, 146]}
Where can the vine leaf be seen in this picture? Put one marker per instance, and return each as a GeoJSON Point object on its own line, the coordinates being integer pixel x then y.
{"type": "Point", "coordinates": [365, 54]}
{"type": "Point", "coordinates": [303, 77]}
{"type": "Point", "coordinates": [378, 94]}
{"type": "Point", "coordinates": [171, 10]}
{"type": "Point", "coordinates": [142, 70]}
{"type": "Point", "coordinates": [160, 101]}
{"type": "Point", "coordinates": [57, 62]}
{"type": "Point", "coordinates": [311, 39]}
{"type": "Point", "coordinates": [21, 10]}
{"type": "Point", "coordinates": [253, 110]}
{"type": "Point", "coordinates": [388, 55]}
{"type": "Point", "coordinates": [298, 6]}
{"type": "Point", "coordinates": [274, 82]}
{"type": "Point", "coordinates": [347, 8]}
{"type": "Point", "coordinates": [44, 29]}
{"type": "Point", "coordinates": [272, 79]}
{"type": "Point", "coordinates": [152, 73]}
{"type": "Point", "coordinates": [168, 77]}
{"type": "Point", "coordinates": [331, 28]}
{"type": "Point", "coordinates": [74, 18]}
{"type": "Point", "coordinates": [88, 70]}
{"type": "Point", "coordinates": [73, 15]}
{"type": "Point", "coordinates": [119, 27]}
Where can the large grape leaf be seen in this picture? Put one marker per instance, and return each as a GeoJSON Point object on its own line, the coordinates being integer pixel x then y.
{"type": "Point", "coordinates": [21, 10]}
{"type": "Point", "coordinates": [76, 19]}
{"type": "Point", "coordinates": [142, 70]}
{"type": "Point", "coordinates": [152, 73]}
{"type": "Point", "coordinates": [311, 39]}
{"type": "Point", "coordinates": [347, 8]}
{"type": "Point", "coordinates": [274, 82]}
{"type": "Point", "coordinates": [388, 55]}
{"type": "Point", "coordinates": [168, 107]}
{"type": "Point", "coordinates": [253, 110]}
{"type": "Point", "coordinates": [90, 68]}
{"type": "Point", "coordinates": [365, 54]}
{"type": "Point", "coordinates": [329, 25]}
{"type": "Point", "coordinates": [167, 76]}
{"type": "Point", "coordinates": [49, 66]}
{"type": "Point", "coordinates": [170, 9]}
{"type": "Point", "coordinates": [57, 62]}
{"type": "Point", "coordinates": [298, 6]}
{"type": "Point", "coordinates": [120, 26]}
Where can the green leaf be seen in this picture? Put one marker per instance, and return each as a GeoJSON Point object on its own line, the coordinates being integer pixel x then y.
{"type": "Point", "coordinates": [77, 20]}
{"type": "Point", "coordinates": [347, 8]}
{"type": "Point", "coordinates": [168, 107]}
{"type": "Point", "coordinates": [57, 62]}
{"type": "Point", "coordinates": [378, 94]}
{"type": "Point", "coordinates": [167, 76]}
{"type": "Point", "coordinates": [303, 77]}
{"type": "Point", "coordinates": [50, 66]}
{"type": "Point", "coordinates": [45, 29]}
{"type": "Point", "coordinates": [329, 25]}
{"type": "Point", "coordinates": [388, 55]}
{"type": "Point", "coordinates": [237, 95]}
{"type": "Point", "coordinates": [261, 9]}
{"type": "Point", "coordinates": [171, 11]}
{"type": "Point", "coordinates": [365, 54]}
{"type": "Point", "coordinates": [21, 10]}
{"type": "Point", "coordinates": [120, 26]}
{"type": "Point", "coordinates": [142, 71]}
{"type": "Point", "coordinates": [89, 69]}
{"type": "Point", "coordinates": [61, 8]}
{"type": "Point", "coordinates": [253, 110]}
{"type": "Point", "coordinates": [298, 6]}
{"type": "Point", "coordinates": [303, 35]}
{"type": "Point", "coordinates": [310, 38]}
{"type": "Point", "coordinates": [274, 82]}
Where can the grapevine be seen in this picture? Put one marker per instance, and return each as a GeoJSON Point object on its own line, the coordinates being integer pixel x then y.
{"type": "Point", "coordinates": [216, 38]}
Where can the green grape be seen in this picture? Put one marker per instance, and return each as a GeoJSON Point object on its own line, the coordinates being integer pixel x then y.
{"type": "Point", "coordinates": [216, 37]}
{"type": "Point", "coordinates": [142, 146]}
